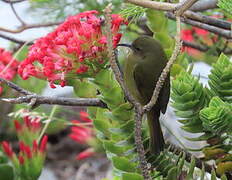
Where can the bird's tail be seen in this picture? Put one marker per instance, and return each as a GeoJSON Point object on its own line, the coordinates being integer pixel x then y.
{"type": "Point", "coordinates": [156, 135]}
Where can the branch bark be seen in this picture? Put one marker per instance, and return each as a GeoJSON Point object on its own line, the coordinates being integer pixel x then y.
{"type": "Point", "coordinates": [13, 1]}
{"type": "Point", "coordinates": [29, 26]}
{"type": "Point", "coordinates": [210, 28]}
{"type": "Point", "coordinates": [15, 40]}
{"type": "Point", "coordinates": [138, 107]}
{"type": "Point", "coordinates": [56, 101]}
{"type": "Point", "coordinates": [166, 70]}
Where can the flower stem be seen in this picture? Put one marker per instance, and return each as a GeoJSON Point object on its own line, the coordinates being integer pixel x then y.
{"type": "Point", "coordinates": [47, 123]}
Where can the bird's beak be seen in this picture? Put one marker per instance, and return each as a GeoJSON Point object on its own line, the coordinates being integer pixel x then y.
{"type": "Point", "coordinates": [126, 45]}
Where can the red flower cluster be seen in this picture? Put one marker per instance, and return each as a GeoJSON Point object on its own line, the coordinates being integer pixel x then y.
{"type": "Point", "coordinates": [26, 152]}
{"type": "Point", "coordinates": [188, 35]}
{"type": "Point", "coordinates": [29, 129]}
{"type": "Point", "coordinates": [83, 134]}
{"type": "Point", "coordinates": [8, 66]}
{"type": "Point", "coordinates": [29, 161]}
{"type": "Point", "coordinates": [76, 47]}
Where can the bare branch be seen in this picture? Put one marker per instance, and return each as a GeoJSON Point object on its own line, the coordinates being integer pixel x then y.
{"type": "Point", "coordinates": [155, 5]}
{"type": "Point", "coordinates": [184, 6]}
{"type": "Point", "coordinates": [16, 14]}
{"type": "Point", "coordinates": [56, 101]}
{"type": "Point", "coordinates": [208, 20]}
{"type": "Point", "coordinates": [13, 1]}
{"type": "Point", "coordinates": [29, 26]}
{"type": "Point", "coordinates": [16, 87]}
{"type": "Point", "coordinates": [213, 29]}
{"type": "Point", "coordinates": [163, 6]}
{"type": "Point", "coordinates": [138, 108]}
{"type": "Point", "coordinates": [12, 39]}
{"type": "Point", "coordinates": [166, 70]}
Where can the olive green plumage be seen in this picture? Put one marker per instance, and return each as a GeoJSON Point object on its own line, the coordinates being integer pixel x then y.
{"type": "Point", "coordinates": [141, 72]}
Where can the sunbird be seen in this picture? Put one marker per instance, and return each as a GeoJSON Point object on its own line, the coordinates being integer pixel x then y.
{"type": "Point", "coordinates": [142, 70]}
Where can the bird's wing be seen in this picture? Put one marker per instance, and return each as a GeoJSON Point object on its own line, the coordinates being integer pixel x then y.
{"type": "Point", "coordinates": [142, 84]}
{"type": "Point", "coordinates": [146, 87]}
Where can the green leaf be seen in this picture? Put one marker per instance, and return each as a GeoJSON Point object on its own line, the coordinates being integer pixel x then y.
{"type": "Point", "coordinates": [6, 172]}
{"type": "Point", "coordinates": [213, 175]}
{"type": "Point", "coordinates": [123, 112]}
{"type": "Point", "coordinates": [111, 147]}
{"type": "Point", "coordinates": [172, 174]}
{"type": "Point", "coordinates": [191, 169]}
{"type": "Point", "coordinates": [123, 164]}
{"type": "Point", "coordinates": [131, 176]}
{"type": "Point", "coordinates": [157, 21]}
{"type": "Point", "coordinates": [166, 40]}
{"type": "Point", "coordinates": [84, 89]}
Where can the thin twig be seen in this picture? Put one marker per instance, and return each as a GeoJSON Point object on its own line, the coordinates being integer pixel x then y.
{"type": "Point", "coordinates": [15, 40]}
{"type": "Point", "coordinates": [138, 108]}
{"type": "Point", "coordinates": [56, 101]}
{"type": "Point", "coordinates": [29, 26]}
{"type": "Point", "coordinates": [16, 14]}
{"type": "Point", "coordinates": [166, 70]}
{"type": "Point", "coordinates": [155, 5]}
{"type": "Point", "coordinates": [222, 32]}
{"type": "Point", "coordinates": [184, 6]}
{"type": "Point", "coordinates": [13, 1]}
{"type": "Point", "coordinates": [16, 87]}
{"type": "Point", "coordinates": [49, 120]}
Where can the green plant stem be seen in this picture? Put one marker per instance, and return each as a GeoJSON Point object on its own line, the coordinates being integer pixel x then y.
{"type": "Point", "coordinates": [47, 123]}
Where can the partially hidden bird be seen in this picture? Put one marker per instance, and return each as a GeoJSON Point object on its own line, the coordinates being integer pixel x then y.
{"type": "Point", "coordinates": [141, 72]}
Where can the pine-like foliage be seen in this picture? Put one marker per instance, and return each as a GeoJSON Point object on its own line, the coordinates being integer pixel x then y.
{"type": "Point", "coordinates": [226, 5]}
{"type": "Point", "coordinates": [208, 110]}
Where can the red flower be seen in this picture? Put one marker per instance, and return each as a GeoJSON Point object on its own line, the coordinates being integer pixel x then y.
{"type": "Point", "coordinates": [21, 159]}
{"type": "Point", "coordinates": [85, 116]}
{"type": "Point", "coordinates": [80, 134]}
{"type": "Point", "coordinates": [17, 125]}
{"type": "Point", "coordinates": [8, 66]}
{"type": "Point", "coordinates": [200, 32]}
{"type": "Point", "coordinates": [187, 35]}
{"type": "Point", "coordinates": [74, 48]}
{"type": "Point", "coordinates": [85, 154]}
{"type": "Point", "coordinates": [43, 144]}
{"type": "Point", "coordinates": [7, 149]}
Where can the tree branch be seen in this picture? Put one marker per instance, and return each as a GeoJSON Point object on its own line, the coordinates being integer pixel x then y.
{"type": "Point", "coordinates": [16, 87]}
{"type": "Point", "coordinates": [138, 107]}
{"type": "Point", "coordinates": [14, 1]}
{"type": "Point", "coordinates": [56, 101]}
{"type": "Point", "coordinates": [15, 40]}
{"type": "Point", "coordinates": [155, 5]}
{"type": "Point", "coordinates": [30, 96]}
{"type": "Point", "coordinates": [29, 26]}
{"type": "Point", "coordinates": [184, 6]}
{"type": "Point", "coordinates": [208, 20]}
{"type": "Point", "coordinates": [210, 28]}
{"type": "Point", "coordinates": [166, 70]}
{"type": "Point", "coordinates": [16, 14]}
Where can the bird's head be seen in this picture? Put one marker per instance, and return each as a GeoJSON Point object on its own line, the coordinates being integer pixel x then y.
{"type": "Point", "coordinates": [144, 45]}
